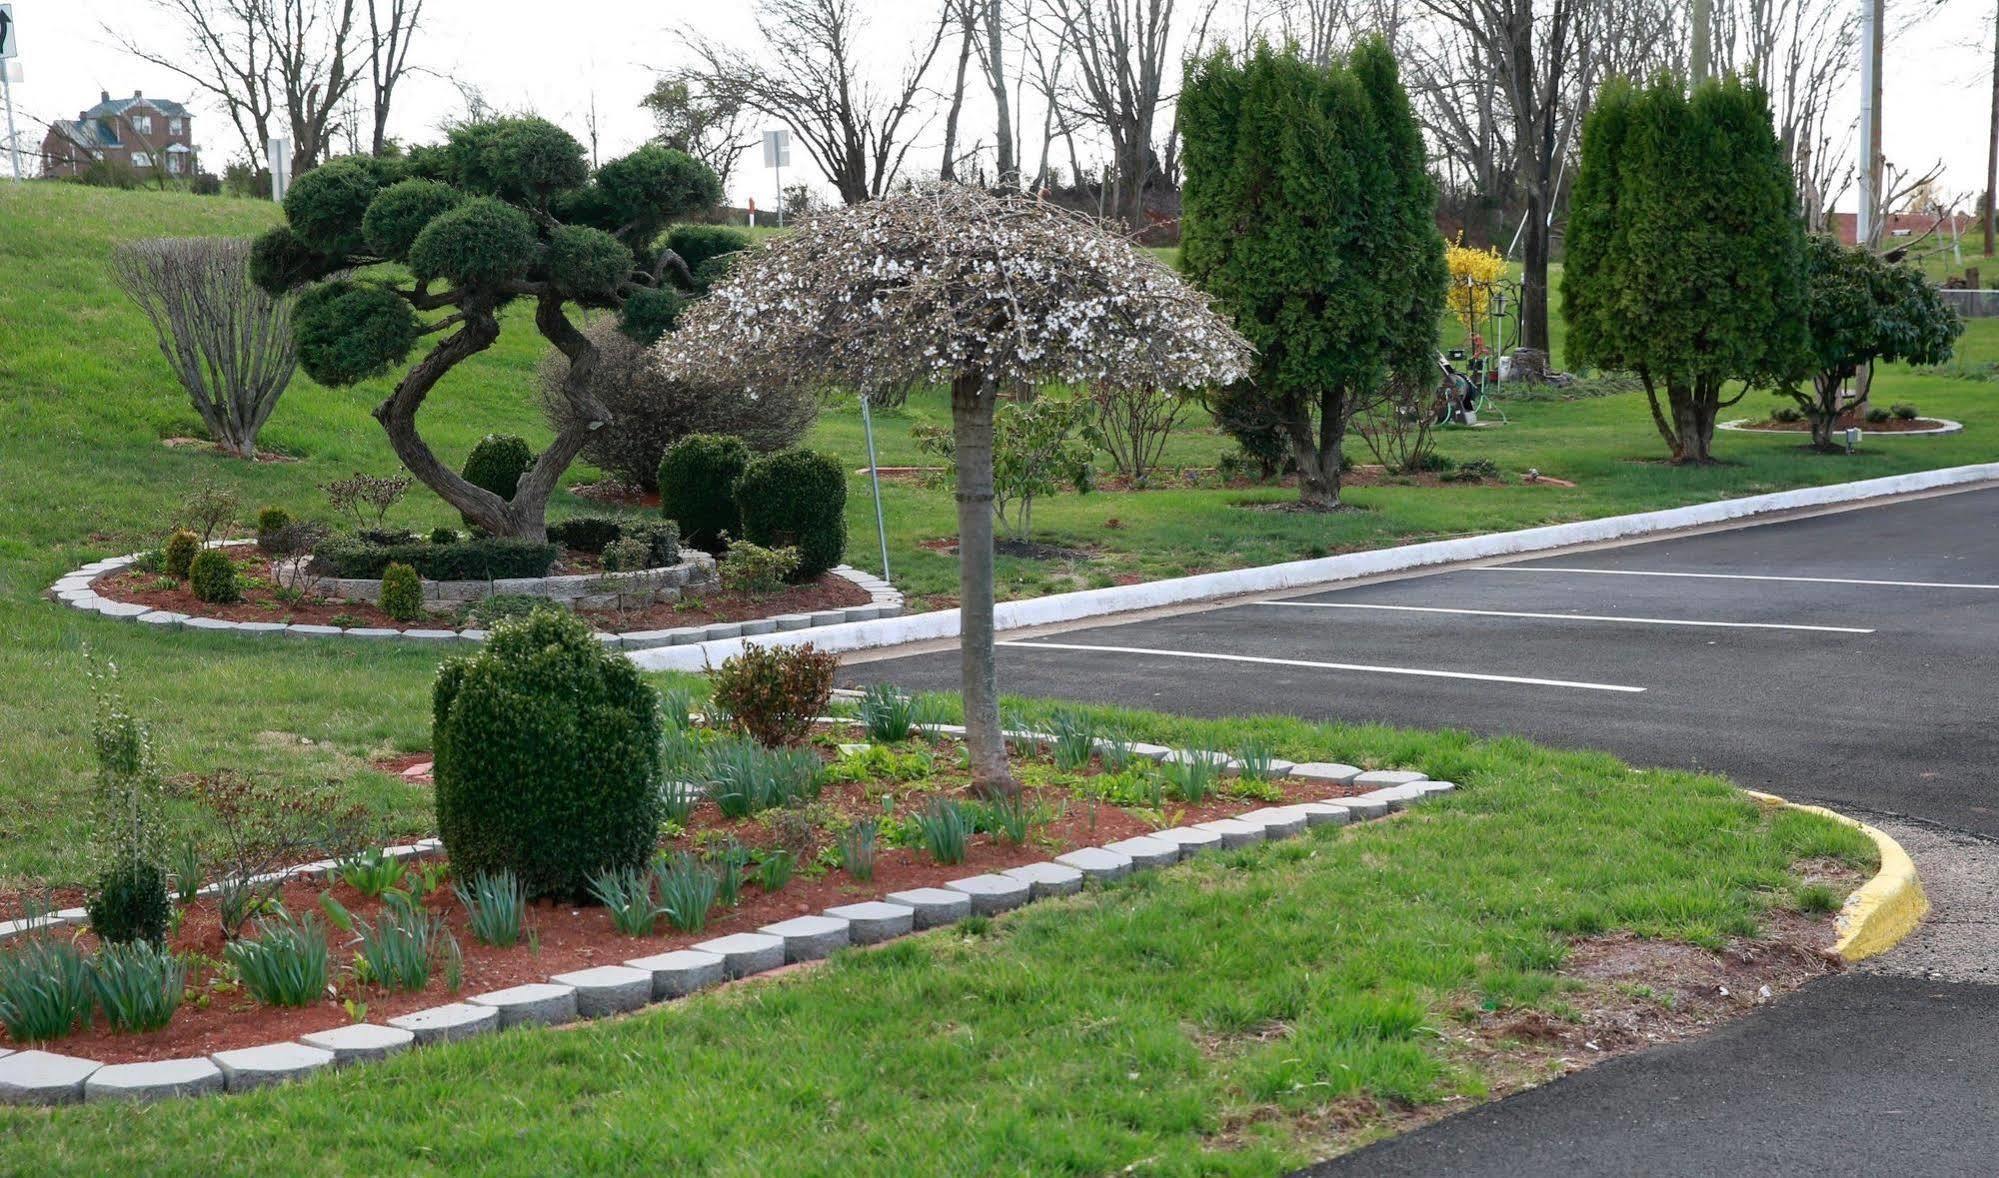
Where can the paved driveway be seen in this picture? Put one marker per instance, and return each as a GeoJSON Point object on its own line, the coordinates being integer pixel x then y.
{"type": "Point", "coordinates": [1850, 658]}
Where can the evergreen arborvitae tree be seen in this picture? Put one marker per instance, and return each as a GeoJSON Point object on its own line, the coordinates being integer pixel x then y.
{"type": "Point", "coordinates": [1685, 252]}
{"type": "Point", "coordinates": [506, 210]}
{"type": "Point", "coordinates": [1309, 215]}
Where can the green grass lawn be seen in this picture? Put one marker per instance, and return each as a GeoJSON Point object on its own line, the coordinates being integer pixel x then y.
{"type": "Point", "coordinates": [88, 401]}
{"type": "Point", "coordinates": [1237, 1015]}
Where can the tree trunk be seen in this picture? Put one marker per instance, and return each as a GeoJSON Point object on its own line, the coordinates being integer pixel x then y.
{"type": "Point", "coordinates": [1992, 152]}
{"type": "Point", "coordinates": [1317, 457]}
{"type": "Point", "coordinates": [972, 404]}
{"type": "Point", "coordinates": [948, 169]}
{"type": "Point", "coordinates": [994, 59]}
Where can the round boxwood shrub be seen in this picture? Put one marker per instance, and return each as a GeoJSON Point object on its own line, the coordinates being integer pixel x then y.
{"type": "Point", "coordinates": [698, 243]}
{"type": "Point", "coordinates": [179, 552]}
{"type": "Point", "coordinates": [588, 264]}
{"type": "Point", "coordinates": [547, 757]}
{"type": "Point", "coordinates": [130, 904]}
{"type": "Point", "coordinates": [212, 576]}
{"type": "Point", "coordinates": [697, 486]}
{"type": "Point", "coordinates": [498, 462]}
{"type": "Point", "coordinates": [796, 499]}
{"type": "Point", "coordinates": [270, 522]}
{"type": "Point", "coordinates": [402, 593]}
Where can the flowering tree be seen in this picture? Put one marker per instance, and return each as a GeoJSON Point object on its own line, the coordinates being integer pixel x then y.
{"type": "Point", "coordinates": [952, 285]}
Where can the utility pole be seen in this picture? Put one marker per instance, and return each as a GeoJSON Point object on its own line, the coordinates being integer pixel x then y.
{"type": "Point", "coordinates": [1992, 148]}
{"type": "Point", "coordinates": [1871, 12]}
{"type": "Point", "coordinates": [1702, 51]}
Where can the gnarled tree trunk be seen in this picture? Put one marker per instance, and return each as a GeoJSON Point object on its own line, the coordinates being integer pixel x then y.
{"type": "Point", "coordinates": [1317, 453]}
{"type": "Point", "coordinates": [972, 402]}
{"type": "Point", "coordinates": [525, 516]}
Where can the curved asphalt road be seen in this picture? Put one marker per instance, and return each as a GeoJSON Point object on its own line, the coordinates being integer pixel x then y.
{"type": "Point", "coordinates": [1890, 707]}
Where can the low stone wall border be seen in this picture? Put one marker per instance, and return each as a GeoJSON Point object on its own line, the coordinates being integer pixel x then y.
{"type": "Point", "coordinates": [1740, 426]}
{"type": "Point", "coordinates": [73, 590]}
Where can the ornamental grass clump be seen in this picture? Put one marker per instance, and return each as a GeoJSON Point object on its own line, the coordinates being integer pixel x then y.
{"type": "Point", "coordinates": [371, 873]}
{"type": "Point", "coordinates": [287, 963]}
{"type": "Point", "coordinates": [688, 890]}
{"type": "Point", "coordinates": [138, 985]}
{"type": "Point", "coordinates": [986, 293]}
{"type": "Point", "coordinates": [45, 988]}
{"type": "Point", "coordinates": [495, 907]}
{"type": "Point", "coordinates": [398, 950]}
{"type": "Point", "coordinates": [547, 757]}
{"type": "Point", "coordinates": [888, 713]}
{"type": "Point", "coordinates": [626, 894]}
{"type": "Point", "coordinates": [945, 828]}
{"type": "Point", "coordinates": [856, 849]}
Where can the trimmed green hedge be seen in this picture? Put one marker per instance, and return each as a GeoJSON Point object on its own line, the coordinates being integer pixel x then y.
{"type": "Point", "coordinates": [547, 757]}
{"type": "Point", "coordinates": [480, 559]}
{"type": "Point", "coordinates": [796, 499]}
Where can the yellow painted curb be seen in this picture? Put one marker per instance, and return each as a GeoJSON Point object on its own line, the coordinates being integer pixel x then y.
{"type": "Point", "coordinates": [1881, 911]}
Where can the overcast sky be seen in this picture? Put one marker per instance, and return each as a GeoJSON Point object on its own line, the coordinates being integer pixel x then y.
{"type": "Point", "coordinates": [554, 58]}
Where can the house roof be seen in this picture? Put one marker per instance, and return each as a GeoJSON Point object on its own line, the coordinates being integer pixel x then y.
{"type": "Point", "coordinates": [110, 107]}
{"type": "Point", "coordinates": [84, 135]}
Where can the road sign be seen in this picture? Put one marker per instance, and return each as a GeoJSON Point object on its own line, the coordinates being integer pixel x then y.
{"type": "Point", "coordinates": [7, 48]}
{"type": "Point", "coordinates": [777, 148]}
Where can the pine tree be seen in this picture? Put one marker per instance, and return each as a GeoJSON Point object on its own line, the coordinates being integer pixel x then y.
{"type": "Point", "coordinates": [1308, 215]}
{"type": "Point", "coordinates": [1685, 258]}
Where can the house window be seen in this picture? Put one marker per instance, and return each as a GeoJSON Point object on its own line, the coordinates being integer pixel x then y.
{"type": "Point", "coordinates": [143, 124]}
{"type": "Point", "coordinates": [173, 126]}
{"type": "Point", "coordinates": [141, 160]}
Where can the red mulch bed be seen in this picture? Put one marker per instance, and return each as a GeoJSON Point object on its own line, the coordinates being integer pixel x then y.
{"type": "Point", "coordinates": [1894, 425]}
{"type": "Point", "coordinates": [576, 936]}
{"type": "Point", "coordinates": [722, 605]}
{"type": "Point", "coordinates": [261, 602]}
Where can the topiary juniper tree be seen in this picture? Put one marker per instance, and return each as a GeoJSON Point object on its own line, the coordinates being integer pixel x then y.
{"type": "Point", "coordinates": [1864, 308]}
{"type": "Point", "coordinates": [505, 210]}
{"type": "Point", "coordinates": [1685, 251]}
{"type": "Point", "coordinates": [950, 284]}
{"type": "Point", "coordinates": [1308, 213]}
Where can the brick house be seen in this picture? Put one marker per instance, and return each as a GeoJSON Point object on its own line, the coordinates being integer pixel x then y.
{"type": "Point", "coordinates": [144, 134]}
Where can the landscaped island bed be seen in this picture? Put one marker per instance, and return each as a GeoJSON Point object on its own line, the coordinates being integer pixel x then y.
{"type": "Point", "coordinates": [1240, 1013]}
{"type": "Point", "coordinates": [890, 788]}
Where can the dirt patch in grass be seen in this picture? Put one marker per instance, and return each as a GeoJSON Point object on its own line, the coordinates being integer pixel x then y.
{"type": "Point", "coordinates": [1025, 549]}
{"type": "Point", "coordinates": [208, 447]}
{"type": "Point", "coordinates": [1623, 993]}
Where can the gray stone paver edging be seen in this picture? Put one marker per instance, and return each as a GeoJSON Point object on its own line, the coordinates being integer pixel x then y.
{"type": "Point", "coordinates": [43, 1077]}
{"type": "Point", "coordinates": [73, 590]}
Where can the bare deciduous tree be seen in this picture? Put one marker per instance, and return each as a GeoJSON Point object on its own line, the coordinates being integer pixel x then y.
{"type": "Point", "coordinates": [712, 127]}
{"type": "Point", "coordinates": [229, 343]}
{"type": "Point", "coordinates": [392, 27]}
{"type": "Point", "coordinates": [809, 71]}
{"type": "Point", "coordinates": [268, 62]}
{"type": "Point", "coordinates": [1118, 49]}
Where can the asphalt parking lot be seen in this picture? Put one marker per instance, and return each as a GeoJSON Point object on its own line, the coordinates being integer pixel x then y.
{"type": "Point", "coordinates": [1850, 658]}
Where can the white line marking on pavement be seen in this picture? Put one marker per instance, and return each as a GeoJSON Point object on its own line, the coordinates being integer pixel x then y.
{"type": "Point", "coordinates": [1548, 568]}
{"type": "Point", "coordinates": [1366, 667]}
{"type": "Point", "coordinates": [1507, 613]}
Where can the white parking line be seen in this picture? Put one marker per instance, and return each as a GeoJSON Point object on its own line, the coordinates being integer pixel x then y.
{"type": "Point", "coordinates": [1318, 666]}
{"type": "Point", "coordinates": [1507, 613]}
{"type": "Point", "coordinates": [1548, 568]}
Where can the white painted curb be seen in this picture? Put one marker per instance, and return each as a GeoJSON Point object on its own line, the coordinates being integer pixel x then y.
{"type": "Point", "coordinates": [1089, 603]}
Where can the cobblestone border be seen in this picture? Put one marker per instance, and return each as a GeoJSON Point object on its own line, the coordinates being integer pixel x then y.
{"type": "Point", "coordinates": [1948, 426]}
{"type": "Point", "coordinates": [44, 1077]}
{"type": "Point", "coordinates": [73, 590]}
